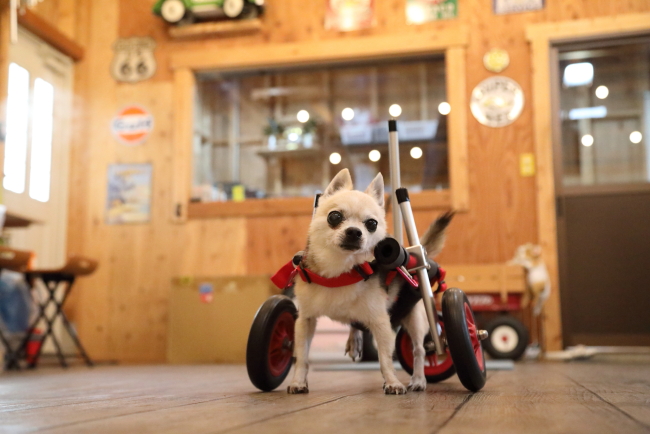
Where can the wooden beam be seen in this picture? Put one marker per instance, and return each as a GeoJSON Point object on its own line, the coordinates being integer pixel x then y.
{"type": "Point", "coordinates": [425, 200]}
{"type": "Point", "coordinates": [457, 97]}
{"type": "Point", "coordinates": [589, 28]}
{"type": "Point", "coordinates": [319, 52]}
{"type": "Point", "coordinates": [50, 34]}
{"type": "Point", "coordinates": [184, 92]}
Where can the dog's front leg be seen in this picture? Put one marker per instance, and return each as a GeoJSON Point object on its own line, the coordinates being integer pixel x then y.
{"type": "Point", "coordinates": [417, 327]}
{"type": "Point", "coordinates": [380, 328]}
{"type": "Point", "coordinates": [305, 328]}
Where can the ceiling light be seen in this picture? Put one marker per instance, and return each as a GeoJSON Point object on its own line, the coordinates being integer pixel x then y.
{"type": "Point", "coordinates": [636, 137]}
{"type": "Point", "coordinates": [587, 140]}
{"type": "Point", "coordinates": [347, 114]}
{"type": "Point", "coordinates": [374, 155]}
{"type": "Point", "coordinates": [335, 158]}
{"type": "Point", "coordinates": [444, 108]}
{"type": "Point", "coordinates": [303, 116]}
{"type": "Point", "coordinates": [416, 152]}
{"type": "Point", "coordinates": [395, 110]}
{"type": "Point", "coordinates": [602, 92]}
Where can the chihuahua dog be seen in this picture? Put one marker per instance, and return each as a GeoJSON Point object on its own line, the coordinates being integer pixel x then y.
{"type": "Point", "coordinates": [346, 227]}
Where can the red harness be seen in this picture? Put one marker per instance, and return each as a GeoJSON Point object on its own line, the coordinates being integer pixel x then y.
{"type": "Point", "coordinates": [285, 275]}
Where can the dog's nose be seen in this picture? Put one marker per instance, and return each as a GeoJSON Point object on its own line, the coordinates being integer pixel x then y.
{"type": "Point", "coordinates": [353, 233]}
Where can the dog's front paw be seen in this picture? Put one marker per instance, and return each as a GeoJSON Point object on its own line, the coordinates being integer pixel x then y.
{"type": "Point", "coordinates": [296, 388]}
{"type": "Point", "coordinates": [418, 384]}
{"type": "Point", "coordinates": [354, 346]}
{"type": "Point", "coordinates": [395, 389]}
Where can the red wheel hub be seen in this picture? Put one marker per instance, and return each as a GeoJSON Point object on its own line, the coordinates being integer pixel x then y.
{"type": "Point", "coordinates": [473, 335]}
{"type": "Point", "coordinates": [281, 345]}
{"type": "Point", "coordinates": [433, 364]}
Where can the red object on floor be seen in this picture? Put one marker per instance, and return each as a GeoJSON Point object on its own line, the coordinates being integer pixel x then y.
{"type": "Point", "coordinates": [33, 345]}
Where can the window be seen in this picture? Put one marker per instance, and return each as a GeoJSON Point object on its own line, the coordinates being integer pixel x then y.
{"type": "Point", "coordinates": [15, 163]}
{"type": "Point", "coordinates": [19, 114]}
{"type": "Point", "coordinates": [605, 112]}
{"type": "Point", "coordinates": [283, 133]}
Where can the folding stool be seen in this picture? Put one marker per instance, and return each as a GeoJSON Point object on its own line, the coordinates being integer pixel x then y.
{"type": "Point", "coordinates": [54, 279]}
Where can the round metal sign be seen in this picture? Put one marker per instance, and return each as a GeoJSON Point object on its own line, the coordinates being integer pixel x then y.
{"type": "Point", "coordinates": [497, 101]}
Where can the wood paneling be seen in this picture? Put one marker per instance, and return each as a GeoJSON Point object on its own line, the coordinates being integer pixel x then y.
{"type": "Point", "coordinates": [121, 310]}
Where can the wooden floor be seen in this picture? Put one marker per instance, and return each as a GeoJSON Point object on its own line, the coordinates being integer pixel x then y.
{"type": "Point", "coordinates": [578, 397]}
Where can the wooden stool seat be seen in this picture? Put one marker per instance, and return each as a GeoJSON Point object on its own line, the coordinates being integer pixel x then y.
{"type": "Point", "coordinates": [15, 260]}
{"type": "Point", "coordinates": [75, 266]}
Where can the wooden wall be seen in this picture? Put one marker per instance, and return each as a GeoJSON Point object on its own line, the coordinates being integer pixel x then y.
{"type": "Point", "coordinates": [121, 311]}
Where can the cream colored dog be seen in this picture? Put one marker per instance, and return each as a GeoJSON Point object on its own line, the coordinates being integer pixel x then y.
{"type": "Point", "coordinates": [345, 229]}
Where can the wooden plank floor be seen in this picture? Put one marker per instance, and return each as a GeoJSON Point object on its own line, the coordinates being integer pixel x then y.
{"type": "Point", "coordinates": [583, 397]}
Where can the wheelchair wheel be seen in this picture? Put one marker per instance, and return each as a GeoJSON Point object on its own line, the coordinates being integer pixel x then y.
{"type": "Point", "coordinates": [462, 337]}
{"type": "Point", "coordinates": [270, 343]}
{"type": "Point", "coordinates": [436, 368]}
{"type": "Point", "coordinates": [507, 339]}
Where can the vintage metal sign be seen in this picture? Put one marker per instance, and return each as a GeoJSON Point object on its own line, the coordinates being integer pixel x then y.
{"type": "Point", "coordinates": [421, 11]}
{"type": "Point", "coordinates": [134, 59]}
{"type": "Point", "coordinates": [132, 125]}
{"type": "Point", "coordinates": [497, 101]}
{"type": "Point", "coordinates": [516, 6]}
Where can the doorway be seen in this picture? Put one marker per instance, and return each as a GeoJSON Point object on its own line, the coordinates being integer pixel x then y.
{"type": "Point", "coordinates": [36, 160]}
{"type": "Point", "coordinates": [602, 183]}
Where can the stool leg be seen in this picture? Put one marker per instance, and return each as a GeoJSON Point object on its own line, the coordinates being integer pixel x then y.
{"type": "Point", "coordinates": [11, 355]}
{"type": "Point", "coordinates": [75, 338]}
{"type": "Point", "coordinates": [50, 331]}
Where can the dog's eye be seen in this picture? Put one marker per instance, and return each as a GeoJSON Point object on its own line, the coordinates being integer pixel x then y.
{"type": "Point", "coordinates": [371, 225]}
{"type": "Point", "coordinates": [334, 218]}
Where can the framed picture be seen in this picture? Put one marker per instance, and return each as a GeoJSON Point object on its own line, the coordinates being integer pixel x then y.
{"type": "Point", "coordinates": [129, 193]}
{"type": "Point", "coordinates": [349, 15]}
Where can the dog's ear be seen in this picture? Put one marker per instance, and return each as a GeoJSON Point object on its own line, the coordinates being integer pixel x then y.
{"type": "Point", "coordinates": [342, 181]}
{"type": "Point", "coordinates": [376, 189]}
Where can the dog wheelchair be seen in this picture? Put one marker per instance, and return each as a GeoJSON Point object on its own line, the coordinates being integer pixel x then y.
{"type": "Point", "coordinates": [453, 345]}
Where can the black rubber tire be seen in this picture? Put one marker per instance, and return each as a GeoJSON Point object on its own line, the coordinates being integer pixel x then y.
{"type": "Point", "coordinates": [369, 352]}
{"type": "Point", "coordinates": [259, 339]}
{"type": "Point", "coordinates": [471, 372]}
{"type": "Point", "coordinates": [409, 369]}
{"type": "Point", "coordinates": [518, 327]}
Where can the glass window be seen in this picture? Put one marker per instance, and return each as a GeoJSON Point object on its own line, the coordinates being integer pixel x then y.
{"type": "Point", "coordinates": [605, 113]}
{"type": "Point", "coordinates": [15, 165]}
{"type": "Point", "coordinates": [285, 133]}
{"type": "Point", "coordinates": [41, 152]}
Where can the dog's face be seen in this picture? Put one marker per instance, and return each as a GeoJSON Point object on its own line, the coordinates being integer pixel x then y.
{"type": "Point", "coordinates": [348, 224]}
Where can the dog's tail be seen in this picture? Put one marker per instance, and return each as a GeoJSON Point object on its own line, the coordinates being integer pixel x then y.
{"type": "Point", "coordinates": [434, 238]}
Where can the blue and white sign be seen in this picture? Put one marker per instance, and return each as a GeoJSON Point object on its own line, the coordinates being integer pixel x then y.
{"type": "Point", "coordinates": [516, 6]}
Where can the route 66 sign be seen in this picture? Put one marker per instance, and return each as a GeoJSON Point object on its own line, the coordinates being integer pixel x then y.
{"type": "Point", "coordinates": [134, 60]}
{"type": "Point", "coordinates": [497, 101]}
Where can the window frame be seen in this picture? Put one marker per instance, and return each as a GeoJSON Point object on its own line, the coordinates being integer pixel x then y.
{"type": "Point", "coordinates": [451, 42]}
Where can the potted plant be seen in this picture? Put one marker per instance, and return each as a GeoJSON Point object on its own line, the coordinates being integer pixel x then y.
{"type": "Point", "coordinates": [308, 132]}
{"type": "Point", "coordinates": [273, 131]}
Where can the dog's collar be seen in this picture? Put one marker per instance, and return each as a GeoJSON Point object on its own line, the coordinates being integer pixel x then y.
{"type": "Point", "coordinates": [285, 275]}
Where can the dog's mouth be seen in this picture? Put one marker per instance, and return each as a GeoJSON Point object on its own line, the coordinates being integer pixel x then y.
{"type": "Point", "coordinates": [350, 246]}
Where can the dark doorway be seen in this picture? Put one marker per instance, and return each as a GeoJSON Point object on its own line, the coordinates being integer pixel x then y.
{"type": "Point", "coordinates": [602, 172]}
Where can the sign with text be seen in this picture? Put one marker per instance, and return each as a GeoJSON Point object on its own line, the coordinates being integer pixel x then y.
{"type": "Point", "coordinates": [516, 6]}
{"type": "Point", "coordinates": [422, 11]}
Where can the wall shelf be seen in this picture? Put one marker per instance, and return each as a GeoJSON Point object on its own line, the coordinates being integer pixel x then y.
{"type": "Point", "coordinates": [230, 27]}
